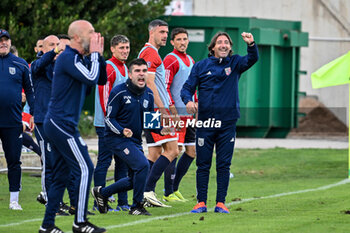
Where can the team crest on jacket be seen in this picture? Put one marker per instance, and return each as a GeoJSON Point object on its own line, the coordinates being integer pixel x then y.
{"type": "Point", "coordinates": [126, 151]}
{"type": "Point", "coordinates": [200, 141]}
{"type": "Point", "coordinates": [12, 70]}
{"type": "Point", "coordinates": [145, 103]}
{"type": "Point", "coordinates": [228, 71]}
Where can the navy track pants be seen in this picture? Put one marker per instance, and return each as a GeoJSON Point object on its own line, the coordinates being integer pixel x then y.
{"type": "Point", "coordinates": [104, 160]}
{"type": "Point", "coordinates": [11, 139]}
{"type": "Point", "coordinates": [132, 154]}
{"type": "Point", "coordinates": [224, 140]}
{"type": "Point", "coordinates": [70, 158]}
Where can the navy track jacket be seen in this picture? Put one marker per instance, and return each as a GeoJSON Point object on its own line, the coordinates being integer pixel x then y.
{"type": "Point", "coordinates": [73, 74]}
{"type": "Point", "coordinates": [217, 81]}
{"type": "Point", "coordinates": [125, 110]}
{"type": "Point", "coordinates": [14, 75]}
{"type": "Point", "coordinates": [42, 74]}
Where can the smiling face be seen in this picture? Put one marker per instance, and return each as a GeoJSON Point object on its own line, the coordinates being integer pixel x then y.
{"type": "Point", "coordinates": [222, 47]}
{"type": "Point", "coordinates": [138, 75]}
{"type": "Point", "coordinates": [5, 45]}
{"type": "Point", "coordinates": [121, 51]}
{"type": "Point", "coordinates": [180, 42]}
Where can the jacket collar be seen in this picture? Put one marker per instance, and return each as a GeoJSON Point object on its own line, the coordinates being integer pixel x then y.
{"type": "Point", "coordinates": [220, 60]}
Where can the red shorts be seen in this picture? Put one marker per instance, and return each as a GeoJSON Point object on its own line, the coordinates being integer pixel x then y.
{"type": "Point", "coordinates": [154, 139]}
{"type": "Point", "coordinates": [187, 135]}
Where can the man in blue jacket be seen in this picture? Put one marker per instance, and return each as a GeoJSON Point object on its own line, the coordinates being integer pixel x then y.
{"type": "Point", "coordinates": [14, 73]}
{"type": "Point", "coordinates": [79, 67]}
{"type": "Point", "coordinates": [42, 73]}
{"type": "Point", "coordinates": [216, 78]}
{"type": "Point", "coordinates": [127, 105]}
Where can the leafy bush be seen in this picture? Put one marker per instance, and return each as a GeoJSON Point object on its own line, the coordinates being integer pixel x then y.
{"type": "Point", "coordinates": [86, 125]}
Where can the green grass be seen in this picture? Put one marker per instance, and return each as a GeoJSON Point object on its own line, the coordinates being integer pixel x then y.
{"type": "Point", "coordinates": [258, 173]}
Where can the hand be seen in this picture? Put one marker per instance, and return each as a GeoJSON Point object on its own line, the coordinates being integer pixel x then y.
{"type": "Point", "coordinates": [191, 107]}
{"type": "Point", "coordinates": [96, 43]}
{"type": "Point", "coordinates": [31, 124]}
{"type": "Point", "coordinates": [59, 49]}
{"type": "Point", "coordinates": [24, 99]}
{"type": "Point", "coordinates": [165, 131]}
{"type": "Point", "coordinates": [165, 117]}
{"type": "Point", "coordinates": [175, 117]}
{"type": "Point", "coordinates": [102, 43]}
{"type": "Point", "coordinates": [24, 126]}
{"type": "Point", "coordinates": [247, 37]}
{"type": "Point", "coordinates": [127, 132]}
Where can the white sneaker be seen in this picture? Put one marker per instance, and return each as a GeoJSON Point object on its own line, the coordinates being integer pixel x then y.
{"type": "Point", "coordinates": [15, 206]}
{"type": "Point", "coordinates": [152, 199]}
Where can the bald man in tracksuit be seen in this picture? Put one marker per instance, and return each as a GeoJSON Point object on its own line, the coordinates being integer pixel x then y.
{"type": "Point", "coordinates": [79, 67]}
{"type": "Point", "coordinates": [217, 80]}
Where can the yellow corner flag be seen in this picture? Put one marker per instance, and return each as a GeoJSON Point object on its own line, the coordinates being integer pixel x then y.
{"type": "Point", "coordinates": [337, 72]}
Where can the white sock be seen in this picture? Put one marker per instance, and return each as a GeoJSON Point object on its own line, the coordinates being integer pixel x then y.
{"type": "Point", "coordinates": [14, 196]}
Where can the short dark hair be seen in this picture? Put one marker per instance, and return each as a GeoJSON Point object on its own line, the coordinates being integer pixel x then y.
{"type": "Point", "coordinates": [119, 39]}
{"type": "Point", "coordinates": [156, 23]}
{"type": "Point", "coordinates": [138, 62]}
{"type": "Point", "coordinates": [63, 36]}
{"type": "Point", "coordinates": [213, 43]}
{"type": "Point", "coordinates": [176, 31]}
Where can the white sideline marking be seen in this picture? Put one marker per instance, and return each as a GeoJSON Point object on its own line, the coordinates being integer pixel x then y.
{"type": "Point", "coordinates": [20, 223]}
{"type": "Point", "coordinates": [345, 181]}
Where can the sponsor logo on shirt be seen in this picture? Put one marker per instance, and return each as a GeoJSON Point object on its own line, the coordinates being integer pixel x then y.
{"type": "Point", "coordinates": [128, 99]}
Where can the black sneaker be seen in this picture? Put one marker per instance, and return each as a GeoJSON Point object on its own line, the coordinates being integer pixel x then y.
{"type": "Point", "coordinates": [61, 213]}
{"type": "Point", "coordinates": [101, 201]}
{"type": "Point", "coordinates": [139, 210]}
{"type": "Point", "coordinates": [63, 210]}
{"type": "Point", "coordinates": [40, 198]}
{"type": "Point", "coordinates": [72, 211]}
{"type": "Point", "coordinates": [87, 227]}
{"type": "Point", "coordinates": [64, 207]}
{"type": "Point", "coordinates": [53, 229]}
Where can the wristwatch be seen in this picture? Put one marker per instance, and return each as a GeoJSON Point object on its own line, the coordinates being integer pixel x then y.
{"type": "Point", "coordinates": [251, 43]}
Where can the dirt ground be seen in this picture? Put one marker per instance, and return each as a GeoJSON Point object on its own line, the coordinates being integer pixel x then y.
{"type": "Point", "coordinates": [319, 121]}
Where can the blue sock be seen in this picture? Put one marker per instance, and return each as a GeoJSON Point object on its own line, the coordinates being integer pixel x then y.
{"type": "Point", "coordinates": [181, 169]}
{"type": "Point", "coordinates": [169, 175]}
{"type": "Point", "coordinates": [156, 172]}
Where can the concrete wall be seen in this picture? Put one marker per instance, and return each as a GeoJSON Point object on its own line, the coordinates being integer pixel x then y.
{"type": "Point", "coordinates": [321, 18]}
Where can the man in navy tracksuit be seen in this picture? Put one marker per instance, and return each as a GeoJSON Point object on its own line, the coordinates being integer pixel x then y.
{"type": "Point", "coordinates": [73, 74]}
{"type": "Point", "coordinates": [124, 124]}
{"type": "Point", "coordinates": [42, 74]}
{"type": "Point", "coordinates": [217, 80]}
{"type": "Point", "coordinates": [14, 75]}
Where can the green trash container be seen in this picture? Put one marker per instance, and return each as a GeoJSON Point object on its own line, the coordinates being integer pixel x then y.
{"type": "Point", "coordinates": [269, 90]}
